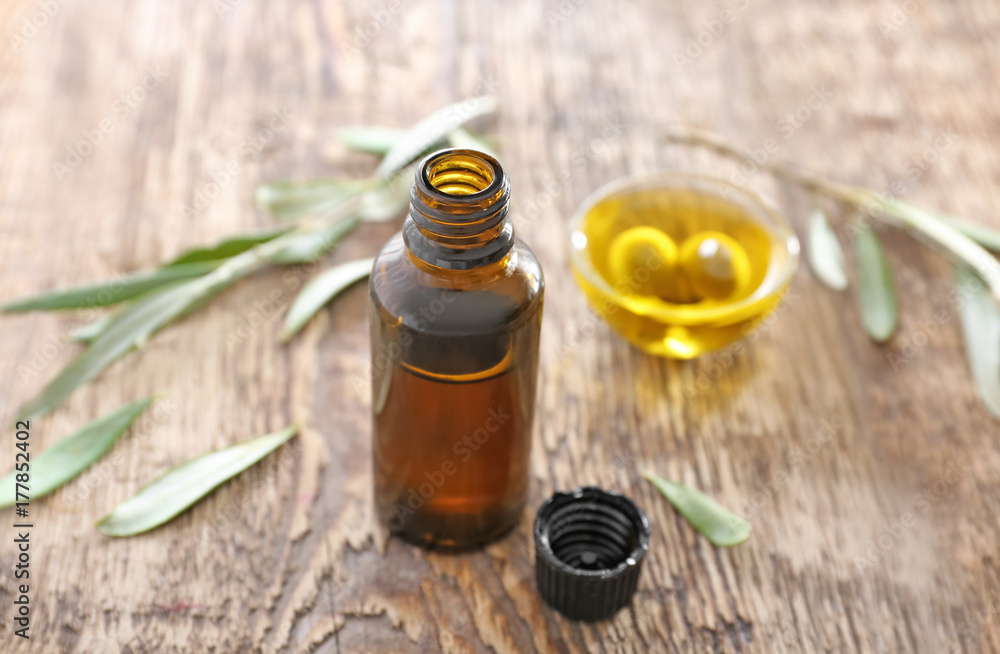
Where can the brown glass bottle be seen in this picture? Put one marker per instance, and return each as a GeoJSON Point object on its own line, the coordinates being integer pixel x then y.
{"type": "Point", "coordinates": [456, 308]}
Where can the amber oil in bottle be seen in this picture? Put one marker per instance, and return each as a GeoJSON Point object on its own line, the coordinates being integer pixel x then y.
{"type": "Point", "coordinates": [456, 308]}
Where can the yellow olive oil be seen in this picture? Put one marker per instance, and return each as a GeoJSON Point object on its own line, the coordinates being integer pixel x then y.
{"type": "Point", "coordinates": [680, 270]}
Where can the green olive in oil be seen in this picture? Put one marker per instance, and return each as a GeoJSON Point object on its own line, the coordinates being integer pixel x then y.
{"type": "Point", "coordinates": [681, 265]}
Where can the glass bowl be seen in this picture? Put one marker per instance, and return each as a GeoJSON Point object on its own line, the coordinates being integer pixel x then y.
{"type": "Point", "coordinates": [660, 327]}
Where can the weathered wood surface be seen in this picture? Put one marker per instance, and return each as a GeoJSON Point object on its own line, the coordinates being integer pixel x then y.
{"type": "Point", "coordinates": [286, 558]}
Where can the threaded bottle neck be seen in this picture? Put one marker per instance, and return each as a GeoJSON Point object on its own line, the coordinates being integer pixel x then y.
{"type": "Point", "coordinates": [458, 211]}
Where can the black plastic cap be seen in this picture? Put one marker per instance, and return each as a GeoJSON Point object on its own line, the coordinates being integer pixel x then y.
{"type": "Point", "coordinates": [589, 547]}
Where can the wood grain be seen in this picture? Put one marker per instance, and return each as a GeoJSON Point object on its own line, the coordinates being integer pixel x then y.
{"type": "Point", "coordinates": [812, 431]}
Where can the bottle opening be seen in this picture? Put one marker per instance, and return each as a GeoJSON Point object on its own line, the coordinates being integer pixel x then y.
{"type": "Point", "coordinates": [460, 173]}
{"type": "Point", "coordinates": [458, 210]}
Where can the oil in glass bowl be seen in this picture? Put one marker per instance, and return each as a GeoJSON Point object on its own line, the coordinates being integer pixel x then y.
{"type": "Point", "coordinates": [679, 264]}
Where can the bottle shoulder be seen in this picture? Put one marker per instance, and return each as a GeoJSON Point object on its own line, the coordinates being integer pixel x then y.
{"type": "Point", "coordinates": [497, 295]}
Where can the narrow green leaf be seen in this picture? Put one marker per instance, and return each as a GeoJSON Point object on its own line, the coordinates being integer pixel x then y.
{"type": "Point", "coordinates": [190, 264]}
{"type": "Point", "coordinates": [113, 291]}
{"type": "Point", "coordinates": [430, 130]}
{"type": "Point", "coordinates": [136, 322]}
{"type": "Point", "coordinates": [379, 140]}
{"type": "Point", "coordinates": [229, 247]}
{"type": "Point", "coordinates": [825, 256]}
{"type": "Point", "coordinates": [390, 199]}
{"type": "Point", "coordinates": [374, 140]}
{"type": "Point", "coordinates": [90, 331]}
{"type": "Point", "coordinates": [936, 232]}
{"type": "Point", "coordinates": [876, 288]}
{"type": "Point", "coordinates": [984, 236]}
{"type": "Point", "coordinates": [722, 528]}
{"type": "Point", "coordinates": [320, 290]}
{"type": "Point", "coordinates": [981, 329]}
{"type": "Point", "coordinates": [181, 487]}
{"type": "Point", "coordinates": [315, 197]}
{"type": "Point", "coordinates": [133, 326]}
{"type": "Point", "coordinates": [66, 459]}
{"type": "Point", "coordinates": [463, 138]}
{"type": "Point", "coordinates": [311, 246]}
{"type": "Point", "coordinates": [384, 204]}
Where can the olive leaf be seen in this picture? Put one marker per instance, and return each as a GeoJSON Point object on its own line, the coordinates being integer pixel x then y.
{"type": "Point", "coordinates": [463, 138]}
{"type": "Point", "coordinates": [719, 526]}
{"type": "Point", "coordinates": [942, 236]}
{"type": "Point", "coordinates": [379, 140]}
{"type": "Point", "coordinates": [390, 199]}
{"type": "Point", "coordinates": [320, 290]}
{"type": "Point", "coordinates": [311, 246]}
{"type": "Point", "coordinates": [384, 204]}
{"type": "Point", "coordinates": [430, 130]}
{"type": "Point", "coordinates": [876, 288]}
{"type": "Point", "coordinates": [188, 265]}
{"type": "Point", "coordinates": [181, 487]}
{"type": "Point", "coordinates": [984, 236]}
{"type": "Point", "coordinates": [63, 461]}
{"type": "Point", "coordinates": [825, 256]}
{"type": "Point", "coordinates": [142, 318]}
{"type": "Point", "coordinates": [137, 321]}
{"type": "Point", "coordinates": [374, 140]}
{"type": "Point", "coordinates": [90, 331]}
{"type": "Point", "coordinates": [111, 291]}
{"type": "Point", "coordinates": [316, 197]}
{"type": "Point", "coordinates": [981, 329]}
{"type": "Point", "coordinates": [229, 247]}
{"type": "Point", "coordinates": [131, 329]}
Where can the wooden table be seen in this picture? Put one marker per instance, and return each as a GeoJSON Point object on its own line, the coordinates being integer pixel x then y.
{"type": "Point", "coordinates": [825, 440]}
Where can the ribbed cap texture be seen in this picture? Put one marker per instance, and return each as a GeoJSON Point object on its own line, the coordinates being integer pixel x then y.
{"type": "Point", "coordinates": [589, 548]}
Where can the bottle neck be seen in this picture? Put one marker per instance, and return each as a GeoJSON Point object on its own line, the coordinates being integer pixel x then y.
{"type": "Point", "coordinates": [458, 211]}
